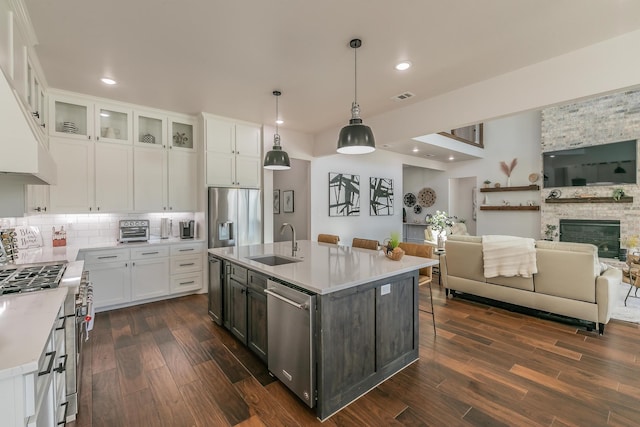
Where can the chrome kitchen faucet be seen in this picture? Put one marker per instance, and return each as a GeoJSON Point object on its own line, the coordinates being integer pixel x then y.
{"type": "Point", "coordinates": [294, 244]}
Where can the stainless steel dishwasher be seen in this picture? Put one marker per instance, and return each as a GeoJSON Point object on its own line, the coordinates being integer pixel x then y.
{"type": "Point", "coordinates": [291, 320]}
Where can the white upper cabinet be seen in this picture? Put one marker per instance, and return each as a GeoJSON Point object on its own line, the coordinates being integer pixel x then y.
{"type": "Point", "coordinates": [150, 129]}
{"type": "Point", "coordinates": [182, 136]}
{"type": "Point", "coordinates": [233, 153]}
{"type": "Point", "coordinates": [79, 118]}
{"type": "Point", "coordinates": [182, 181]}
{"type": "Point", "coordinates": [150, 178]}
{"type": "Point", "coordinates": [92, 177]}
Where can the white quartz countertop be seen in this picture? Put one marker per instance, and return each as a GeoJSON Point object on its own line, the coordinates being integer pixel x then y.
{"type": "Point", "coordinates": [26, 321]}
{"type": "Point", "coordinates": [70, 253]}
{"type": "Point", "coordinates": [324, 268]}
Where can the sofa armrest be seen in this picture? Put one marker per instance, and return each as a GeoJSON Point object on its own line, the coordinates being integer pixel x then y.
{"type": "Point", "coordinates": [606, 289]}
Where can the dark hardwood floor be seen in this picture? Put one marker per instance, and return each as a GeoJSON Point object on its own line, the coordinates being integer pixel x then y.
{"type": "Point", "coordinates": [167, 364]}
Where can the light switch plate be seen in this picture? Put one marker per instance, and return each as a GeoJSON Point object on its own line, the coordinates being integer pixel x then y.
{"type": "Point", "coordinates": [385, 289]}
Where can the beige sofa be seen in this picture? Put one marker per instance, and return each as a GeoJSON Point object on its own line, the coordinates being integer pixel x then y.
{"type": "Point", "coordinates": [569, 281]}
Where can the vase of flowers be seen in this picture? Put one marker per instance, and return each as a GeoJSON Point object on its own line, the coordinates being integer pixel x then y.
{"type": "Point", "coordinates": [440, 222]}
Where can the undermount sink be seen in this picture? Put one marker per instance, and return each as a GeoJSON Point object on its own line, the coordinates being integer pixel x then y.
{"type": "Point", "coordinates": [273, 260]}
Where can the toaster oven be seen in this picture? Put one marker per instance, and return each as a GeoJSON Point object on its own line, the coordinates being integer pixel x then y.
{"type": "Point", "coordinates": [134, 230]}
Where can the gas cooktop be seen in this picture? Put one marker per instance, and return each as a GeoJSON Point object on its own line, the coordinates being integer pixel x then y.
{"type": "Point", "coordinates": [30, 277]}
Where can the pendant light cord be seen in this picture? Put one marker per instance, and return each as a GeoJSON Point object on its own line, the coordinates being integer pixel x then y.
{"type": "Point", "coordinates": [355, 75]}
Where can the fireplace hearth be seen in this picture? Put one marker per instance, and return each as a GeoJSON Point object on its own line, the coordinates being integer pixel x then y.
{"type": "Point", "coordinates": [605, 234]}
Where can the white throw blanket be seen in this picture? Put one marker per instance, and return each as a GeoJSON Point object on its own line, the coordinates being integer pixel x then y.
{"type": "Point", "coordinates": [508, 256]}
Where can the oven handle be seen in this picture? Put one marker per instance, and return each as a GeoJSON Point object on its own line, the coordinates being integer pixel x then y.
{"type": "Point", "coordinates": [287, 300]}
{"type": "Point", "coordinates": [64, 322]}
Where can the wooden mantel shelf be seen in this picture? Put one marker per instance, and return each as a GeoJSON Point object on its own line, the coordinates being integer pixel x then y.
{"type": "Point", "coordinates": [521, 188]}
{"type": "Point", "coordinates": [509, 208]}
{"type": "Point", "coordinates": [625, 199]}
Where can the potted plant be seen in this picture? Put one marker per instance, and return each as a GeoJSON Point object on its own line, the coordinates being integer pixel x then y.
{"type": "Point", "coordinates": [618, 194]}
{"type": "Point", "coordinates": [440, 222]}
{"type": "Point", "coordinates": [486, 183]}
{"type": "Point", "coordinates": [391, 246]}
{"type": "Point", "coordinates": [628, 244]}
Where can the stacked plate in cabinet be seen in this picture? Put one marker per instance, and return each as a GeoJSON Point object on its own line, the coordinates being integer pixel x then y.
{"type": "Point", "coordinates": [69, 127]}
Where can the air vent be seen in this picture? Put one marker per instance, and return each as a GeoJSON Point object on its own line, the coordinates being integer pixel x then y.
{"type": "Point", "coordinates": [403, 96]}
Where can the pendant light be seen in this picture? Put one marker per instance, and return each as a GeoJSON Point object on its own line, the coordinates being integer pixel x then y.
{"type": "Point", "coordinates": [277, 159]}
{"type": "Point", "coordinates": [619, 169]}
{"type": "Point", "coordinates": [356, 138]}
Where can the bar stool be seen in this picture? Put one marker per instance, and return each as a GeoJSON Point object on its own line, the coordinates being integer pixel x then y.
{"type": "Point", "coordinates": [365, 243]}
{"type": "Point", "coordinates": [328, 238]}
{"type": "Point", "coordinates": [425, 274]}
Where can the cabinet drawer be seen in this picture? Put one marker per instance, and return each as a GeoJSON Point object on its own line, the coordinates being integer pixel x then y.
{"type": "Point", "coordinates": [186, 248]}
{"type": "Point", "coordinates": [150, 252]}
{"type": "Point", "coordinates": [257, 281]}
{"type": "Point", "coordinates": [186, 264]}
{"type": "Point", "coordinates": [111, 255]}
{"type": "Point", "coordinates": [186, 282]}
{"type": "Point", "coordinates": [238, 273]}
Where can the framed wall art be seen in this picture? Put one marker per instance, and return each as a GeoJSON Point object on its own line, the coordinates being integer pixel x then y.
{"type": "Point", "coordinates": [380, 196]}
{"type": "Point", "coordinates": [344, 194]}
{"type": "Point", "coordinates": [287, 201]}
{"type": "Point", "coordinates": [276, 201]}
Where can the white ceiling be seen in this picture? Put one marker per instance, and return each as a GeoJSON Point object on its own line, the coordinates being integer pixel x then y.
{"type": "Point", "coordinates": [226, 57]}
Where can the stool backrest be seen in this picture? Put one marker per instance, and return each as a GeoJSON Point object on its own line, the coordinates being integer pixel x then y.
{"type": "Point", "coordinates": [416, 249]}
{"type": "Point", "coordinates": [328, 238]}
{"type": "Point", "coordinates": [365, 243]}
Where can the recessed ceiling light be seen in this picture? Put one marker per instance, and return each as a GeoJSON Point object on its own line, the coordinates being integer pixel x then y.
{"type": "Point", "coordinates": [104, 114]}
{"type": "Point", "coordinates": [279, 121]}
{"type": "Point", "coordinates": [404, 65]}
{"type": "Point", "coordinates": [415, 150]}
{"type": "Point", "coordinates": [107, 81]}
{"type": "Point", "coordinates": [451, 157]}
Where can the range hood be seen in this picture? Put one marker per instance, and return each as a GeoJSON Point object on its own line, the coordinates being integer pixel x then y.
{"type": "Point", "coordinates": [23, 157]}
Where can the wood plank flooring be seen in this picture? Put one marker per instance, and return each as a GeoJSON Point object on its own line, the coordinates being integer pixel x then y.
{"type": "Point", "coordinates": [167, 364]}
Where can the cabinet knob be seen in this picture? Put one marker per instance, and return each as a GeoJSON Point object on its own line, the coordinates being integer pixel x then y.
{"type": "Point", "coordinates": [44, 209]}
{"type": "Point", "coordinates": [89, 208]}
{"type": "Point", "coordinates": [36, 114]}
{"type": "Point", "coordinates": [88, 136]}
{"type": "Point", "coordinates": [97, 138]}
{"type": "Point", "coordinates": [38, 209]}
{"type": "Point", "coordinates": [43, 125]}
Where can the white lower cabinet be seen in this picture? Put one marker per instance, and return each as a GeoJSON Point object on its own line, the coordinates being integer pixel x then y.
{"type": "Point", "coordinates": [111, 283]}
{"type": "Point", "coordinates": [149, 272]}
{"type": "Point", "coordinates": [38, 399]}
{"type": "Point", "coordinates": [124, 277]}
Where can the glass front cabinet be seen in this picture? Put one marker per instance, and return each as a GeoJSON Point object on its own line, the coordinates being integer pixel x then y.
{"type": "Point", "coordinates": [80, 119]}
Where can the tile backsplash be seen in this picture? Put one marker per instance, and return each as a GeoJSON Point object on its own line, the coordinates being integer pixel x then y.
{"type": "Point", "coordinates": [90, 229]}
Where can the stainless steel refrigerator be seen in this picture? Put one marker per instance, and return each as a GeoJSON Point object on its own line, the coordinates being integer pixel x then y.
{"type": "Point", "coordinates": [235, 217]}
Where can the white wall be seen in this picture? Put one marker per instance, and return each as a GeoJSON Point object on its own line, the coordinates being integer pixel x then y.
{"type": "Point", "coordinates": [518, 137]}
{"type": "Point", "coordinates": [379, 164]}
{"type": "Point", "coordinates": [299, 146]}
{"type": "Point", "coordinates": [296, 179]}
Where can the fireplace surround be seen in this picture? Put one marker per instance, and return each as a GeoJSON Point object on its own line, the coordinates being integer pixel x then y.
{"type": "Point", "coordinates": [605, 234]}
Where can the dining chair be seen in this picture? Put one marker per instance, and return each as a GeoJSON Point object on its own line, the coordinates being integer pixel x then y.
{"type": "Point", "coordinates": [365, 243]}
{"type": "Point", "coordinates": [328, 238]}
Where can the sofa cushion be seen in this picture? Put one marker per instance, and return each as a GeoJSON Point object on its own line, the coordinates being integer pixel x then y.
{"type": "Point", "coordinates": [567, 270]}
{"type": "Point", "coordinates": [464, 257]}
{"type": "Point", "coordinates": [573, 247]}
{"type": "Point", "coordinates": [518, 282]}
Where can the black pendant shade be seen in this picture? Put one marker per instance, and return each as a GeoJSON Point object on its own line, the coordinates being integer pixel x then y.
{"type": "Point", "coordinates": [619, 169]}
{"type": "Point", "coordinates": [277, 158]}
{"type": "Point", "coordinates": [356, 138]}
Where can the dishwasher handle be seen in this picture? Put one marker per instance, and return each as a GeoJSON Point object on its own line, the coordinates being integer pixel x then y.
{"type": "Point", "coordinates": [287, 300]}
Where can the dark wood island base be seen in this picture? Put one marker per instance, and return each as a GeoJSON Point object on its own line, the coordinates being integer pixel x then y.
{"type": "Point", "coordinates": [365, 335]}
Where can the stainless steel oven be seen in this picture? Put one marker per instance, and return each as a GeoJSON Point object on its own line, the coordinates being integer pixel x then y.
{"type": "Point", "coordinates": [79, 313]}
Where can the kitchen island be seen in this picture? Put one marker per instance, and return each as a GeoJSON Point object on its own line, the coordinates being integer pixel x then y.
{"type": "Point", "coordinates": [365, 318]}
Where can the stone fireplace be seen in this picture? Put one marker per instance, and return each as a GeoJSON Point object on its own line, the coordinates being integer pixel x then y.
{"type": "Point", "coordinates": [605, 234]}
{"type": "Point", "coordinates": [601, 120]}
